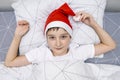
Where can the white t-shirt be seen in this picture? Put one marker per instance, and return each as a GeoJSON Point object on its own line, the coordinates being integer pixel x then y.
{"type": "Point", "coordinates": [47, 66]}
{"type": "Point", "coordinates": [43, 53]}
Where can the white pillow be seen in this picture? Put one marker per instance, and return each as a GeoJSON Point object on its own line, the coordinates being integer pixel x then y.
{"type": "Point", "coordinates": [84, 34]}
{"type": "Point", "coordinates": [37, 11]}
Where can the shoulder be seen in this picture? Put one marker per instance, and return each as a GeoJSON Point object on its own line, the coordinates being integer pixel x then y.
{"type": "Point", "coordinates": [37, 51]}
{"type": "Point", "coordinates": [37, 54]}
{"type": "Point", "coordinates": [83, 51]}
{"type": "Point", "coordinates": [81, 47]}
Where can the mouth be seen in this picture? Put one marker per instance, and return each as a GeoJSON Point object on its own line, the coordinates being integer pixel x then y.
{"type": "Point", "coordinates": [58, 48]}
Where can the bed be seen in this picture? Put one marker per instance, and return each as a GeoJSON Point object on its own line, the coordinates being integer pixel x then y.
{"type": "Point", "coordinates": [107, 66]}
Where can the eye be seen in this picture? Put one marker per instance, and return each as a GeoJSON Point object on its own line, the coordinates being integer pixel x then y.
{"type": "Point", "coordinates": [51, 37]}
{"type": "Point", "coordinates": [64, 37]}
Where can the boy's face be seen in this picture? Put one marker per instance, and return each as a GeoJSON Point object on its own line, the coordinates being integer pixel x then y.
{"type": "Point", "coordinates": [58, 41]}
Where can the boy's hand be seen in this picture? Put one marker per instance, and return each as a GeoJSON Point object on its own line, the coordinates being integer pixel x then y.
{"type": "Point", "coordinates": [22, 28]}
{"type": "Point", "coordinates": [86, 18]}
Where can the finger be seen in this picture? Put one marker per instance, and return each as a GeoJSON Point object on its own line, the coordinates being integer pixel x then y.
{"type": "Point", "coordinates": [23, 22]}
{"type": "Point", "coordinates": [82, 16]}
{"type": "Point", "coordinates": [85, 16]}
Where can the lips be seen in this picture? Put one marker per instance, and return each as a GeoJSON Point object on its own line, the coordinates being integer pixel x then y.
{"type": "Point", "coordinates": [58, 48]}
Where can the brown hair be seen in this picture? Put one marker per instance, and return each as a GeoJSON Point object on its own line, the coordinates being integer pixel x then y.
{"type": "Point", "coordinates": [54, 29]}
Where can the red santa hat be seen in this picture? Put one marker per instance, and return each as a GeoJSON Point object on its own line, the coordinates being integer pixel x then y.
{"type": "Point", "coordinates": [59, 18]}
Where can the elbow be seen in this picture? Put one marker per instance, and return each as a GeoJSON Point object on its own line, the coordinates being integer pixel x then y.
{"type": "Point", "coordinates": [7, 64]}
{"type": "Point", "coordinates": [113, 46]}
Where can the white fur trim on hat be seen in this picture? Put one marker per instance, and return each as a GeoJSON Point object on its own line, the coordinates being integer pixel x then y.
{"type": "Point", "coordinates": [59, 24]}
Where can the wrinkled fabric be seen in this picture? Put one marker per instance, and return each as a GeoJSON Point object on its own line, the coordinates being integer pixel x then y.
{"type": "Point", "coordinates": [61, 70]}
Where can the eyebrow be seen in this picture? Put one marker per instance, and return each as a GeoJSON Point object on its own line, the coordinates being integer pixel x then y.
{"type": "Point", "coordinates": [60, 34]}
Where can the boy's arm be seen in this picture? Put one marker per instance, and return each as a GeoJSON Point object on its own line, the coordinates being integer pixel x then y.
{"type": "Point", "coordinates": [12, 59]}
{"type": "Point", "coordinates": [107, 43]}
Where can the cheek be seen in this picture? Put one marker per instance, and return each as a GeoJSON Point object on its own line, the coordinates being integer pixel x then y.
{"type": "Point", "coordinates": [50, 43]}
{"type": "Point", "coordinates": [67, 42]}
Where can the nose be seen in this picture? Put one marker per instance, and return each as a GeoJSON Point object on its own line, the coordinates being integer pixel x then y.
{"type": "Point", "coordinates": [58, 42]}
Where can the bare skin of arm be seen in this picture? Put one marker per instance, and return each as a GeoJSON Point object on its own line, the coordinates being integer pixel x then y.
{"type": "Point", "coordinates": [107, 43]}
{"type": "Point", "coordinates": [12, 60]}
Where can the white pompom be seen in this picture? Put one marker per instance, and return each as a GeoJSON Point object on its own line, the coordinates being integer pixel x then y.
{"type": "Point", "coordinates": [76, 18]}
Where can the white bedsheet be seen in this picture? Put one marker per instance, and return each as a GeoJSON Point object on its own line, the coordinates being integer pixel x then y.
{"type": "Point", "coordinates": [63, 70]}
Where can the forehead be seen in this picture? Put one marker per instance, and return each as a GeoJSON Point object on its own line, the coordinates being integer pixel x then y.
{"type": "Point", "coordinates": [57, 31]}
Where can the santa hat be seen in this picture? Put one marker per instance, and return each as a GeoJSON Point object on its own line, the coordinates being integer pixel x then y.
{"type": "Point", "coordinates": [59, 18]}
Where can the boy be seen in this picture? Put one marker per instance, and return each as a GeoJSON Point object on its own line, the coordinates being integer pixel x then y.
{"type": "Point", "coordinates": [58, 32]}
